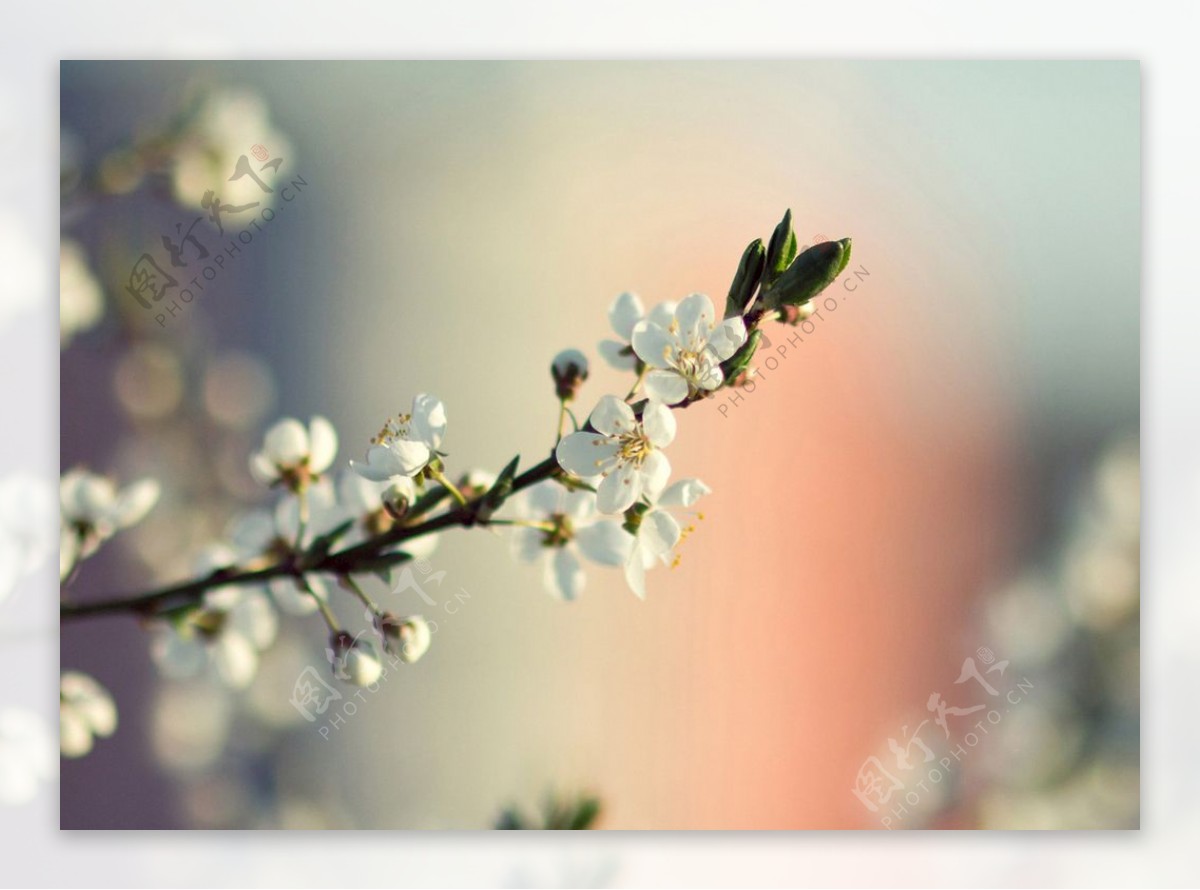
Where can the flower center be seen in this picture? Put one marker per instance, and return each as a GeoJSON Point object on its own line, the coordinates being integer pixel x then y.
{"type": "Point", "coordinates": [633, 448]}
{"type": "Point", "coordinates": [396, 428]}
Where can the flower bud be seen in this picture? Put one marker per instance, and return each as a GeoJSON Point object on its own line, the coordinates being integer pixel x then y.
{"type": "Point", "coordinates": [569, 369]}
{"type": "Point", "coordinates": [781, 250]}
{"type": "Point", "coordinates": [810, 273]}
{"type": "Point", "coordinates": [398, 497]}
{"type": "Point", "coordinates": [355, 661]}
{"type": "Point", "coordinates": [406, 638]}
{"type": "Point", "coordinates": [745, 282]}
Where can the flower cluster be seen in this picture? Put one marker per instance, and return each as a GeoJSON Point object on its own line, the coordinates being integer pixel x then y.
{"type": "Point", "coordinates": [605, 496]}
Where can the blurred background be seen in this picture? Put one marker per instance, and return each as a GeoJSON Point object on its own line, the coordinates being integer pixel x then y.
{"type": "Point", "coordinates": [947, 463]}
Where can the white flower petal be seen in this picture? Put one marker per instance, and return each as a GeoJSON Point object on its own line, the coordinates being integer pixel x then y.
{"type": "Point", "coordinates": [382, 464]}
{"type": "Point", "coordinates": [541, 501]}
{"type": "Point", "coordinates": [653, 344]}
{"type": "Point", "coordinates": [322, 443]}
{"type": "Point", "coordinates": [728, 338]}
{"type": "Point", "coordinates": [618, 355]}
{"type": "Point", "coordinates": [683, 493]}
{"type": "Point", "coordinates": [526, 544]}
{"type": "Point", "coordinates": [658, 533]}
{"type": "Point", "coordinates": [667, 387]}
{"type": "Point", "coordinates": [585, 454]}
{"type": "Point", "coordinates": [635, 576]}
{"type": "Point", "coordinates": [263, 469]}
{"type": "Point", "coordinates": [234, 660]}
{"type": "Point", "coordinates": [177, 657]}
{"type": "Point", "coordinates": [626, 311]}
{"type": "Point", "coordinates": [619, 490]}
{"type": "Point", "coordinates": [659, 424]}
{"type": "Point", "coordinates": [564, 575]}
{"type": "Point", "coordinates": [579, 506]}
{"type": "Point", "coordinates": [605, 542]}
{"type": "Point", "coordinates": [410, 457]}
{"type": "Point", "coordinates": [134, 502]}
{"type": "Point", "coordinates": [429, 420]}
{"type": "Point", "coordinates": [286, 442]}
{"type": "Point", "coordinates": [655, 472]}
{"type": "Point", "coordinates": [612, 417]}
{"type": "Point", "coordinates": [663, 314]}
{"type": "Point", "coordinates": [696, 318]}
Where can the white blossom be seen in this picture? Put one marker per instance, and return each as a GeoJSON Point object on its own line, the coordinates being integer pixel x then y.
{"type": "Point", "coordinates": [27, 755]}
{"type": "Point", "coordinates": [373, 507]}
{"type": "Point", "coordinates": [26, 528]}
{"type": "Point", "coordinates": [80, 296]}
{"type": "Point", "coordinates": [354, 660]}
{"type": "Point", "coordinates": [293, 455]}
{"type": "Point", "coordinates": [658, 531]}
{"type": "Point", "coordinates": [407, 443]}
{"type": "Point", "coordinates": [406, 638]}
{"type": "Point", "coordinates": [625, 451]}
{"type": "Point", "coordinates": [93, 510]}
{"type": "Point", "coordinates": [623, 315]}
{"type": "Point", "coordinates": [86, 712]}
{"type": "Point", "coordinates": [685, 354]}
{"type": "Point", "coordinates": [225, 127]}
{"type": "Point", "coordinates": [570, 526]}
{"type": "Point", "coordinates": [224, 635]}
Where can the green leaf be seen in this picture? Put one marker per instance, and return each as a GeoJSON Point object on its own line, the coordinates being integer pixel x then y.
{"type": "Point", "coordinates": [812, 272]}
{"type": "Point", "coordinates": [745, 282]}
{"type": "Point", "coordinates": [781, 251]}
{"type": "Point", "coordinates": [586, 814]}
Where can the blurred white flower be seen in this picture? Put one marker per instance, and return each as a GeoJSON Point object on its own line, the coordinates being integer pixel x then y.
{"type": "Point", "coordinates": [26, 527]}
{"type": "Point", "coordinates": [406, 444]}
{"type": "Point", "coordinates": [86, 712]}
{"type": "Point", "coordinates": [226, 128]}
{"type": "Point", "coordinates": [569, 370]}
{"type": "Point", "coordinates": [24, 274]}
{"type": "Point", "coordinates": [568, 525]}
{"type": "Point", "coordinates": [225, 634]}
{"type": "Point", "coordinates": [26, 755]}
{"type": "Point", "coordinates": [686, 353]}
{"type": "Point", "coordinates": [406, 638]}
{"type": "Point", "coordinates": [269, 535]}
{"type": "Point", "coordinates": [624, 314]}
{"type": "Point", "coordinates": [93, 510]}
{"type": "Point", "coordinates": [294, 456]}
{"type": "Point", "coordinates": [354, 660]}
{"type": "Point", "coordinates": [80, 297]}
{"type": "Point", "coordinates": [625, 451]}
{"type": "Point", "coordinates": [658, 531]}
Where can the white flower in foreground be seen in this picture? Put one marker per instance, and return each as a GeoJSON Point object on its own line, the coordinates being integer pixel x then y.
{"type": "Point", "coordinates": [570, 527]}
{"type": "Point", "coordinates": [293, 455]}
{"type": "Point", "coordinates": [93, 510]}
{"type": "Point", "coordinates": [624, 450]}
{"type": "Point", "coordinates": [80, 297]}
{"type": "Point", "coordinates": [624, 314]}
{"type": "Point", "coordinates": [406, 444]}
{"type": "Point", "coordinates": [86, 711]}
{"type": "Point", "coordinates": [26, 755]}
{"type": "Point", "coordinates": [659, 531]}
{"type": "Point", "coordinates": [686, 353]}
{"type": "Point", "coordinates": [26, 527]}
{"type": "Point", "coordinates": [225, 635]}
{"type": "Point", "coordinates": [354, 660]}
{"type": "Point", "coordinates": [406, 638]}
